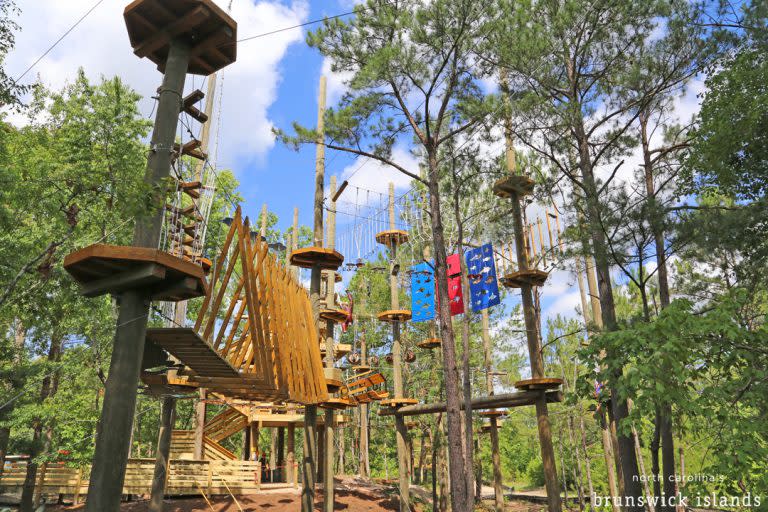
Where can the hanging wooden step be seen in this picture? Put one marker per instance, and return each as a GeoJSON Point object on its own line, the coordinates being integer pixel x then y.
{"type": "Point", "coordinates": [188, 106]}
{"type": "Point", "coordinates": [191, 148]}
{"type": "Point", "coordinates": [398, 402]}
{"type": "Point", "coordinates": [333, 379]}
{"type": "Point", "coordinates": [189, 212]}
{"type": "Point", "coordinates": [190, 229]}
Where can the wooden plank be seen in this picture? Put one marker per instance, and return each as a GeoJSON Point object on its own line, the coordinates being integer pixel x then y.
{"type": "Point", "coordinates": [163, 37]}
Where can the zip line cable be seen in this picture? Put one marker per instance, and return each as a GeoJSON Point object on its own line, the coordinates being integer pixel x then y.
{"type": "Point", "coordinates": [50, 49]}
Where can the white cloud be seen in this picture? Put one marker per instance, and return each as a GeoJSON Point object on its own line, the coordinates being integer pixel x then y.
{"type": "Point", "coordinates": [375, 176]}
{"type": "Point", "coordinates": [100, 45]}
{"type": "Point", "coordinates": [336, 81]}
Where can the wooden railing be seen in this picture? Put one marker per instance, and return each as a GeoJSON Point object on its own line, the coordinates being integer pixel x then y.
{"type": "Point", "coordinates": [185, 478]}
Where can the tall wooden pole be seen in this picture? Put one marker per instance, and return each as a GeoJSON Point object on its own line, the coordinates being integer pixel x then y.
{"type": "Point", "coordinates": [310, 411]}
{"type": "Point", "coordinates": [162, 462]}
{"type": "Point", "coordinates": [532, 336]}
{"type": "Point", "coordinates": [364, 468]}
{"type": "Point", "coordinates": [330, 327]}
{"type": "Point", "coordinates": [114, 432]}
{"type": "Point", "coordinates": [401, 432]}
{"type": "Point", "coordinates": [498, 490]}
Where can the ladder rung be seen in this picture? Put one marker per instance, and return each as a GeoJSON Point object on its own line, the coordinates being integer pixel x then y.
{"type": "Point", "coordinates": [190, 185]}
{"type": "Point", "coordinates": [191, 192]}
{"type": "Point", "coordinates": [194, 97]}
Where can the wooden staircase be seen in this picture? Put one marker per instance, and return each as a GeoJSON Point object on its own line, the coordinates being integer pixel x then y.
{"type": "Point", "coordinates": [226, 423]}
{"type": "Point", "coordinates": [183, 447]}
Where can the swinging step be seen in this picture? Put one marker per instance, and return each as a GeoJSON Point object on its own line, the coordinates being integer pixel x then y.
{"type": "Point", "coordinates": [188, 106]}
{"type": "Point", "coordinates": [191, 148]}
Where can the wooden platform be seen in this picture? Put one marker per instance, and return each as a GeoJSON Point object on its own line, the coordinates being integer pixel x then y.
{"type": "Point", "coordinates": [492, 413]}
{"type": "Point", "coordinates": [308, 257]}
{"type": "Point", "coordinates": [337, 404]}
{"type": "Point", "coordinates": [192, 350]}
{"type": "Point", "coordinates": [394, 315]}
{"type": "Point", "coordinates": [102, 269]}
{"type": "Point", "coordinates": [532, 277]}
{"type": "Point", "coordinates": [339, 350]}
{"type": "Point", "coordinates": [334, 315]}
{"type": "Point", "coordinates": [209, 31]}
{"type": "Point", "coordinates": [398, 402]}
{"type": "Point", "coordinates": [392, 236]}
{"type": "Point", "coordinates": [430, 343]}
{"type": "Point", "coordinates": [361, 368]}
{"type": "Point", "coordinates": [546, 383]}
{"type": "Point", "coordinates": [514, 184]}
{"type": "Point", "coordinates": [517, 399]}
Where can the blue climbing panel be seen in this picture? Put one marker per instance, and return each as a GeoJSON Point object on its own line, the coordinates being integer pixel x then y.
{"type": "Point", "coordinates": [422, 293]}
{"type": "Point", "coordinates": [483, 285]}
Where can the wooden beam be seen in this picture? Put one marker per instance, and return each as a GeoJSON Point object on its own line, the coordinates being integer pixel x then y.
{"type": "Point", "coordinates": [519, 399]}
{"type": "Point", "coordinates": [138, 277]}
{"type": "Point", "coordinates": [163, 36]}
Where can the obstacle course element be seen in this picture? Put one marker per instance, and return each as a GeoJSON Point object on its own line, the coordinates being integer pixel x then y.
{"type": "Point", "coordinates": [528, 277]}
{"type": "Point", "coordinates": [430, 343]}
{"type": "Point", "coordinates": [422, 292]}
{"type": "Point", "coordinates": [210, 33]}
{"type": "Point", "coordinates": [392, 237]}
{"type": "Point", "coordinates": [308, 257]}
{"type": "Point", "coordinates": [102, 269]}
{"type": "Point", "coordinates": [262, 344]}
{"type": "Point", "coordinates": [483, 284]}
{"type": "Point", "coordinates": [515, 184]}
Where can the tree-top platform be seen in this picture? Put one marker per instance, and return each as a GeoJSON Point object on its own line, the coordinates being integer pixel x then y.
{"type": "Point", "coordinates": [429, 343]}
{"type": "Point", "coordinates": [308, 257]}
{"type": "Point", "coordinates": [530, 277]}
{"type": "Point", "coordinates": [102, 269]}
{"type": "Point", "coordinates": [394, 315]}
{"type": "Point", "coordinates": [392, 237]}
{"type": "Point", "coordinates": [209, 31]}
{"type": "Point", "coordinates": [334, 315]}
{"type": "Point", "coordinates": [543, 383]}
{"type": "Point", "coordinates": [514, 184]}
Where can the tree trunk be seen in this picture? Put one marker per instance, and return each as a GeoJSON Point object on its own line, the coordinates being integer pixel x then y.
{"type": "Point", "coordinates": [457, 464]}
{"type": "Point", "coordinates": [665, 418]}
{"type": "Point", "coordinates": [590, 484]}
{"type": "Point", "coordinates": [655, 445]}
{"type": "Point", "coordinates": [629, 469]}
{"type": "Point", "coordinates": [465, 356]}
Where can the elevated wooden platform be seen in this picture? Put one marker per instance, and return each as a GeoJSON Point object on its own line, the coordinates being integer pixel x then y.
{"type": "Point", "coordinates": [192, 350]}
{"type": "Point", "coordinates": [392, 237]}
{"type": "Point", "coordinates": [545, 383]}
{"type": "Point", "coordinates": [337, 404]}
{"type": "Point", "coordinates": [102, 269]}
{"type": "Point", "coordinates": [339, 350]}
{"type": "Point", "coordinates": [361, 368]}
{"type": "Point", "coordinates": [209, 31]}
{"type": "Point", "coordinates": [430, 343]}
{"type": "Point", "coordinates": [492, 413]}
{"type": "Point", "coordinates": [308, 257]}
{"type": "Point", "coordinates": [514, 184]}
{"type": "Point", "coordinates": [394, 315]}
{"type": "Point", "coordinates": [398, 402]}
{"type": "Point", "coordinates": [334, 315]}
{"type": "Point", "coordinates": [532, 277]}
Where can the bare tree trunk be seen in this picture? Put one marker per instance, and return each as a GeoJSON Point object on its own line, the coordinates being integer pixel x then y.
{"type": "Point", "coordinates": [590, 484]}
{"type": "Point", "coordinates": [665, 412]}
{"type": "Point", "coordinates": [458, 466]}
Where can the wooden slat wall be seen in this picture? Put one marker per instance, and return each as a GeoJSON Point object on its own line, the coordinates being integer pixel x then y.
{"type": "Point", "coordinates": [186, 477]}
{"type": "Point", "coordinates": [259, 318]}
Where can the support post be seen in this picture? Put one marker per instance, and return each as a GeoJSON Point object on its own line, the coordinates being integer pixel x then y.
{"type": "Point", "coordinates": [329, 494]}
{"type": "Point", "coordinates": [310, 411]}
{"type": "Point", "coordinates": [498, 490]}
{"type": "Point", "coordinates": [281, 454]}
{"type": "Point", "coordinates": [162, 457]}
{"type": "Point", "coordinates": [200, 411]}
{"type": "Point", "coordinates": [532, 336]}
{"type": "Point", "coordinates": [290, 459]}
{"type": "Point", "coordinates": [401, 432]}
{"type": "Point", "coordinates": [114, 431]}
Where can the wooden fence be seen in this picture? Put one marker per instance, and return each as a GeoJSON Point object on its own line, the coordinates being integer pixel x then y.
{"type": "Point", "coordinates": [185, 478]}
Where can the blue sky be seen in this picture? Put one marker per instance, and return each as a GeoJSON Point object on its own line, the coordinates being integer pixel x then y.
{"type": "Point", "coordinates": [273, 83]}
